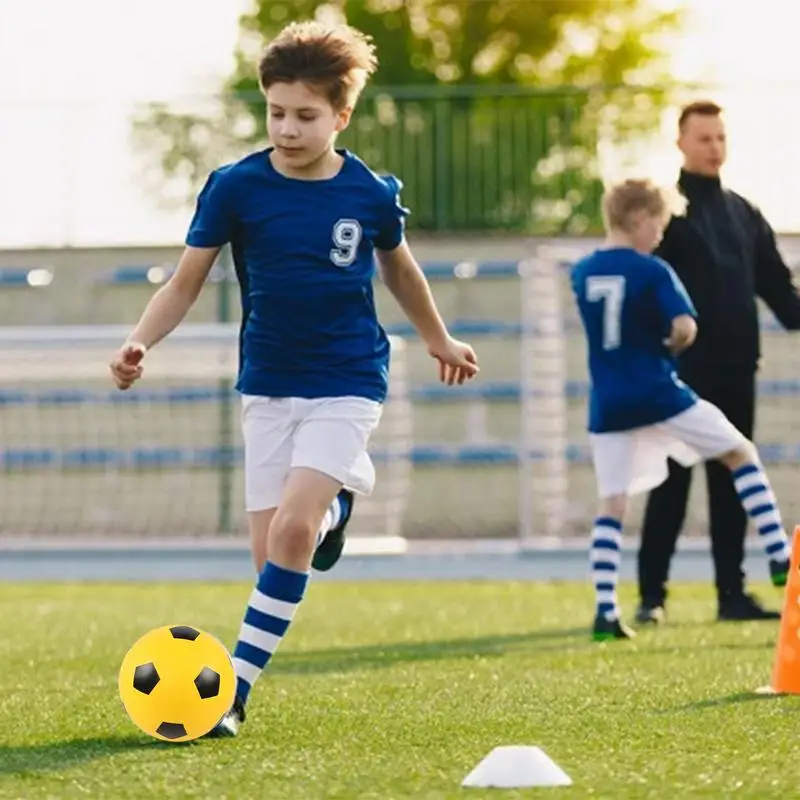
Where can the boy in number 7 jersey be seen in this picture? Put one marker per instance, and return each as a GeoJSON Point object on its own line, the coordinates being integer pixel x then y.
{"type": "Point", "coordinates": [637, 318]}
{"type": "Point", "coordinates": [305, 222]}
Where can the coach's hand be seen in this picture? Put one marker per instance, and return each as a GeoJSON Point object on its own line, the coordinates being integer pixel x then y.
{"type": "Point", "coordinates": [682, 335]}
{"type": "Point", "coordinates": [457, 361]}
{"type": "Point", "coordinates": [126, 366]}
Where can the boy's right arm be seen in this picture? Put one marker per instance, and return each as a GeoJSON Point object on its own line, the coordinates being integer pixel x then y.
{"type": "Point", "coordinates": [210, 228]}
{"type": "Point", "coordinates": [168, 306]}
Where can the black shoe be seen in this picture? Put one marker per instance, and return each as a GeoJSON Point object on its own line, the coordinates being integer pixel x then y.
{"type": "Point", "coordinates": [742, 608]}
{"type": "Point", "coordinates": [229, 725]}
{"type": "Point", "coordinates": [606, 630]}
{"type": "Point", "coordinates": [330, 548]}
{"type": "Point", "coordinates": [648, 614]}
{"type": "Point", "coordinates": [779, 572]}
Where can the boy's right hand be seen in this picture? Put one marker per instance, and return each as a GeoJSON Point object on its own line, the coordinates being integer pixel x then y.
{"type": "Point", "coordinates": [126, 366]}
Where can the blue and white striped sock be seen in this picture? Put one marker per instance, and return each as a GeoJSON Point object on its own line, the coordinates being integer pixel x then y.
{"type": "Point", "coordinates": [605, 556]}
{"type": "Point", "coordinates": [270, 610]}
{"type": "Point", "coordinates": [758, 500]}
{"type": "Point", "coordinates": [333, 516]}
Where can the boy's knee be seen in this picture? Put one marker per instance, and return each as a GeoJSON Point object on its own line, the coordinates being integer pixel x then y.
{"type": "Point", "coordinates": [294, 531]}
{"type": "Point", "coordinates": [750, 451]}
{"type": "Point", "coordinates": [746, 453]}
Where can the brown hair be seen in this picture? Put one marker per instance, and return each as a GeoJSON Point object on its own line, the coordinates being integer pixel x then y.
{"type": "Point", "coordinates": [705, 108]}
{"type": "Point", "coordinates": [624, 199]}
{"type": "Point", "coordinates": [337, 60]}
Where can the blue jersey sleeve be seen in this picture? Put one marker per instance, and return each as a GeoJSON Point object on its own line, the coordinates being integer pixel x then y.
{"type": "Point", "coordinates": [671, 294]}
{"type": "Point", "coordinates": [393, 216]}
{"type": "Point", "coordinates": [211, 225]}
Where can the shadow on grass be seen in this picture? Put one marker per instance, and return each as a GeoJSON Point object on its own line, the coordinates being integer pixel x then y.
{"type": "Point", "coordinates": [53, 756]}
{"type": "Point", "coordinates": [717, 702]}
{"type": "Point", "coordinates": [377, 656]}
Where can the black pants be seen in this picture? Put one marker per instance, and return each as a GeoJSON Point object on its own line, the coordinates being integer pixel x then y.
{"type": "Point", "coordinates": [734, 394]}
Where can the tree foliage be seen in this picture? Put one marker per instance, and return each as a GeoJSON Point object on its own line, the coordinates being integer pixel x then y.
{"type": "Point", "coordinates": [505, 102]}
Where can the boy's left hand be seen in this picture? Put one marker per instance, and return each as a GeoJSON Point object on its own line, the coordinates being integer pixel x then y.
{"type": "Point", "coordinates": [457, 361]}
{"type": "Point", "coordinates": [682, 334]}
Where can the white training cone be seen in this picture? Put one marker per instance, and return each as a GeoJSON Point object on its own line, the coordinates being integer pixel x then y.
{"type": "Point", "coordinates": [517, 767]}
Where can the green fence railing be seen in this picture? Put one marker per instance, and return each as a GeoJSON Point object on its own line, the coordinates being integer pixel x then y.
{"type": "Point", "coordinates": [475, 158]}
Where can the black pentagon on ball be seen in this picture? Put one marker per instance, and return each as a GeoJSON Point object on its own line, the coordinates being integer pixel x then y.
{"type": "Point", "coordinates": [171, 730]}
{"type": "Point", "coordinates": [207, 683]}
{"type": "Point", "coordinates": [145, 678]}
{"type": "Point", "coordinates": [184, 632]}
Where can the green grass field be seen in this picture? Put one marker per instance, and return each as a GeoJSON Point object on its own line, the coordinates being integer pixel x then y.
{"type": "Point", "coordinates": [389, 690]}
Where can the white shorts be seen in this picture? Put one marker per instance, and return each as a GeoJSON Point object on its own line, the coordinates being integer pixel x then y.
{"type": "Point", "coordinates": [635, 461]}
{"type": "Point", "coordinates": [328, 434]}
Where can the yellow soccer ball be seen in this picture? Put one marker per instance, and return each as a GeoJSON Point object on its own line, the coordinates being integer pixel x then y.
{"type": "Point", "coordinates": [177, 682]}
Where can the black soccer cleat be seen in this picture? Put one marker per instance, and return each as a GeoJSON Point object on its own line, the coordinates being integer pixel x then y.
{"type": "Point", "coordinates": [648, 614]}
{"type": "Point", "coordinates": [229, 725]}
{"type": "Point", "coordinates": [743, 607]}
{"type": "Point", "coordinates": [607, 630]}
{"type": "Point", "coordinates": [330, 548]}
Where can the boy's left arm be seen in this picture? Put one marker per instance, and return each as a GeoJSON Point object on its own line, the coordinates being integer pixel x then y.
{"type": "Point", "coordinates": [404, 278]}
{"type": "Point", "coordinates": [676, 307]}
{"type": "Point", "coordinates": [774, 283]}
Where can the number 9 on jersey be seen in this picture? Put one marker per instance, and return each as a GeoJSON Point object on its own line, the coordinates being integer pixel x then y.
{"type": "Point", "coordinates": [347, 237]}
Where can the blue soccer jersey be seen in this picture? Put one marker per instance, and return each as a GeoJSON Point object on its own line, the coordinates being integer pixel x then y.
{"type": "Point", "coordinates": [304, 257]}
{"type": "Point", "coordinates": [627, 302]}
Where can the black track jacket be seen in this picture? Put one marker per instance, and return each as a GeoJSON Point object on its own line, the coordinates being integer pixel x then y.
{"type": "Point", "coordinates": [725, 253]}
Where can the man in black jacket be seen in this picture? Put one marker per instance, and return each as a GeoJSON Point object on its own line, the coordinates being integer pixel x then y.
{"type": "Point", "coordinates": [725, 253]}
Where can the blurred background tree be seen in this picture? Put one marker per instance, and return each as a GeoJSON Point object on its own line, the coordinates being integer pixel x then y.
{"type": "Point", "coordinates": [492, 113]}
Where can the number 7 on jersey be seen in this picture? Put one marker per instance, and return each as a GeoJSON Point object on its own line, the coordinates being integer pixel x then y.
{"type": "Point", "coordinates": [610, 289]}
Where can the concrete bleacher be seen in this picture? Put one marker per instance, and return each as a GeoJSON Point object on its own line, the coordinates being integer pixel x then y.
{"type": "Point", "coordinates": [128, 275]}
{"type": "Point", "coordinates": [466, 439]}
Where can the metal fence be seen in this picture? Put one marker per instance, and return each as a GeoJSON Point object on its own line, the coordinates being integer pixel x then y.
{"type": "Point", "coordinates": [475, 159]}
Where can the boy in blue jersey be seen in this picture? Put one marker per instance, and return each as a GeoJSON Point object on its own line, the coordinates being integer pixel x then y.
{"type": "Point", "coordinates": [637, 318]}
{"type": "Point", "coordinates": [305, 222]}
